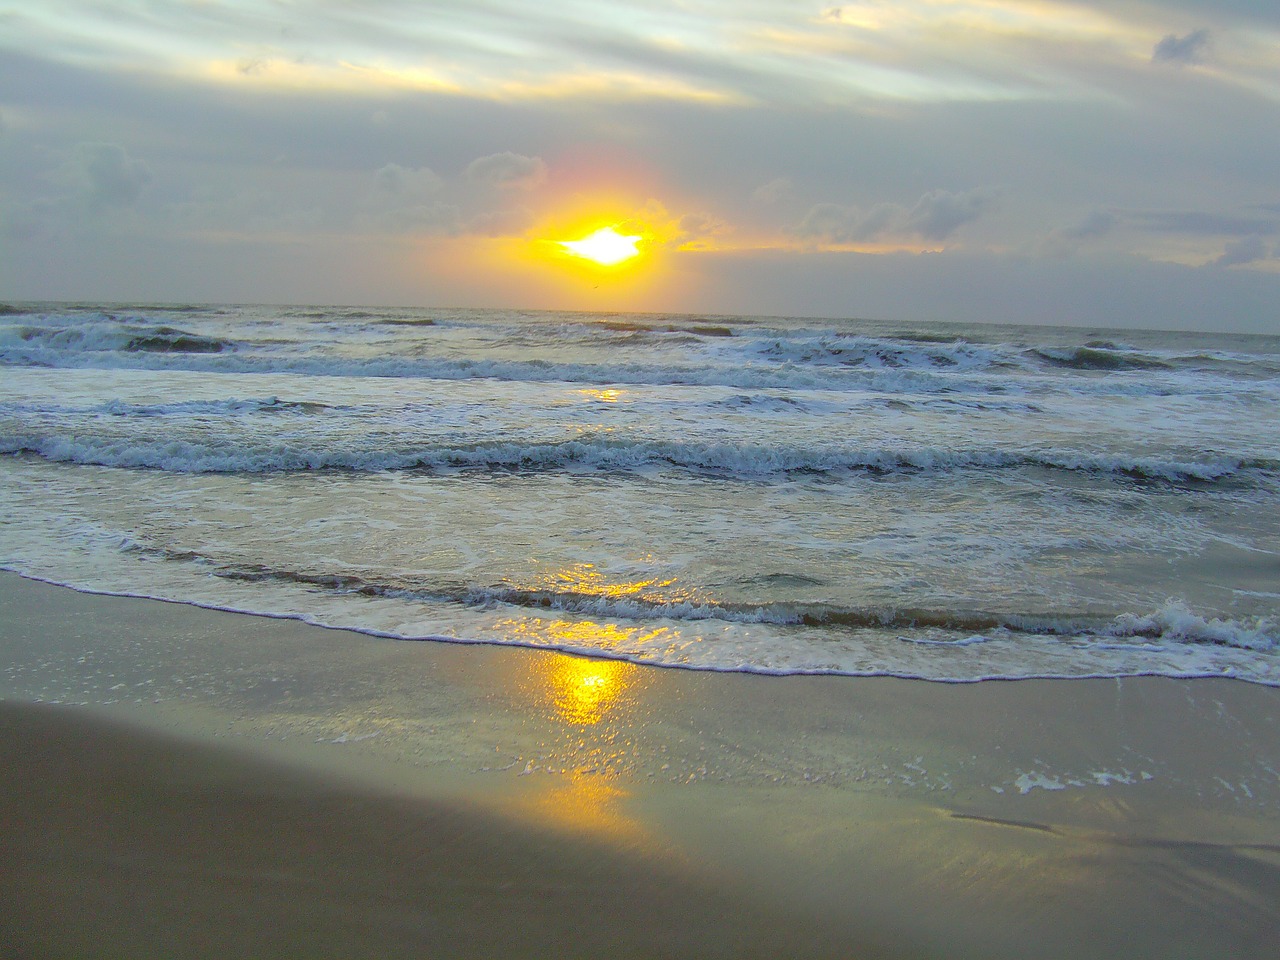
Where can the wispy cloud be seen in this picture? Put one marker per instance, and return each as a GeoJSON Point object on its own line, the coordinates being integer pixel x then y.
{"type": "Point", "coordinates": [935, 217]}
{"type": "Point", "coordinates": [508, 171]}
{"type": "Point", "coordinates": [1245, 251]}
{"type": "Point", "coordinates": [1117, 134]}
{"type": "Point", "coordinates": [1187, 49]}
{"type": "Point", "coordinates": [1206, 223]}
{"type": "Point", "coordinates": [709, 51]}
{"type": "Point", "coordinates": [105, 175]}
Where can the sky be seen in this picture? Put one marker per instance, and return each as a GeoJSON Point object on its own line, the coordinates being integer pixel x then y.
{"type": "Point", "coordinates": [1092, 163]}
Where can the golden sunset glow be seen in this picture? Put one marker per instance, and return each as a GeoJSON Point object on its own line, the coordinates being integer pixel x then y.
{"type": "Point", "coordinates": [587, 803]}
{"type": "Point", "coordinates": [605, 246]}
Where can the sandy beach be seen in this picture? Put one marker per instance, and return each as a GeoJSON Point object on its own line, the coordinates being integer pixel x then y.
{"type": "Point", "coordinates": [180, 782]}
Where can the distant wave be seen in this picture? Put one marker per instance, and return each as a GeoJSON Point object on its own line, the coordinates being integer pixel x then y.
{"type": "Point", "coordinates": [1102, 357]}
{"type": "Point", "coordinates": [879, 353]}
{"type": "Point", "coordinates": [688, 352]}
{"type": "Point", "coordinates": [98, 338]}
{"type": "Point", "coordinates": [179, 408]}
{"type": "Point", "coordinates": [635, 326]}
{"type": "Point", "coordinates": [606, 455]}
{"type": "Point", "coordinates": [746, 376]}
{"type": "Point", "coordinates": [188, 408]}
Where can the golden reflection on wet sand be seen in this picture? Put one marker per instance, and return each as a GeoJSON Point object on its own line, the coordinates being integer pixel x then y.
{"type": "Point", "coordinates": [594, 804]}
{"type": "Point", "coordinates": [582, 691]}
{"type": "Point", "coordinates": [588, 700]}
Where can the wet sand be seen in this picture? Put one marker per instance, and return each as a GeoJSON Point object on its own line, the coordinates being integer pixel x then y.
{"type": "Point", "coordinates": [122, 843]}
{"type": "Point", "coordinates": [199, 783]}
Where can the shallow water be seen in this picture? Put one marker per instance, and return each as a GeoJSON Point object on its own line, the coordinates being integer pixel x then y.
{"type": "Point", "coordinates": [773, 495]}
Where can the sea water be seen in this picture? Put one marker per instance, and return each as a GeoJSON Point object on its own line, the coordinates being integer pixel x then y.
{"type": "Point", "coordinates": [777, 495]}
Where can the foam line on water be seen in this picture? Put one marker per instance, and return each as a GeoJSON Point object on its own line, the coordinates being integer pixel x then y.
{"type": "Point", "coordinates": [606, 454]}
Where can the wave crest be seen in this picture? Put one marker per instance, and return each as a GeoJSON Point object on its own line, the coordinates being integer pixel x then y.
{"type": "Point", "coordinates": [1175, 621]}
{"type": "Point", "coordinates": [598, 454]}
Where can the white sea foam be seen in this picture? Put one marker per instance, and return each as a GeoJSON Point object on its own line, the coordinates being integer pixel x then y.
{"type": "Point", "coordinates": [958, 642]}
{"type": "Point", "coordinates": [876, 353]}
{"type": "Point", "coordinates": [1026, 782]}
{"type": "Point", "coordinates": [747, 461]}
{"type": "Point", "coordinates": [190, 408]}
{"type": "Point", "coordinates": [103, 337]}
{"type": "Point", "coordinates": [1174, 621]}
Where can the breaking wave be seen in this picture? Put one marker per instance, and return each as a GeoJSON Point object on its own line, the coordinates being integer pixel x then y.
{"type": "Point", "coordinates": [1173, 626]}
{"type": "Point", "coordinates": [42, 346]}
{"type": "Point", "coordinates": [700, 353]}
{"type": "Point", "coordinates": [1102, 356]}
{"type": "Point", "coordinates": [604, 455]}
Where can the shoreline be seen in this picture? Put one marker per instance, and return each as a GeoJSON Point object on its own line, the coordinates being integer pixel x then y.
{"type": "Point", "coordinates": [608, 655]}
{"type": "Point", "coordinates": [852, 816]}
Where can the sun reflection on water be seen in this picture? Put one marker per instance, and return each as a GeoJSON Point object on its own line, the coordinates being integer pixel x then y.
{"type": "Point", "coordinates": [602, 396]}
{"type": "Point", "coordinates": [585, 578]}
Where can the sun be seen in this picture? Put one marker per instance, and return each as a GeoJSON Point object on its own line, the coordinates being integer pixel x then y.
{"type": "Point", "coordinates": [606, 246]}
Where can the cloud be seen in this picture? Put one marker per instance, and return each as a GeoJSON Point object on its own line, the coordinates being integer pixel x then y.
{"type": "Point", "coordinates": [1177, 50]}
{"type": "Point", "coordinates": [397, 181]}
{"type": "Point", "coordinates": [508, 171]}
{"type": "Point", "coordinates": [774, 191]}
{"type": "Point", "coordinates": [432, 217]}
{"type": "Point", "coordinates": [28, 221]}
{"type": "Point", "coordinates": [1245, 251]}
{"type": "Point", "coordinates": [697, 230]}
{"type": "Point", "coordinates": [1066, 241]}
{"type": "Point", "coordinates": [1093, 227]}
{"type": "Point", "coordinates": [405, 199]}
{"type": "Point", "coordinates": [418, 199]}
{"type": "Point", "coordinates": [105, 175]}
{"type": "Point", "coordinates": [501, 223]}
{"type": "Point", "coordinates": [230, 209]}
{"type": "Point", "coordinates": [935, 216]}
{"type": "Point", "coordinates": [1204, 224]}
{"type": "Point", "coordinates": [832, 223]}
{"type": "Point", "coordinates": [1245, 233]}
{"type": "Point", "coordinates": [1251, 12]}
{"type": "Point", "coordinates": [939, 214]}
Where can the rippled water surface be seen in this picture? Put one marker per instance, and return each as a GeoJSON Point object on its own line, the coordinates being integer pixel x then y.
{"type": "Point", "coordinates": [758, 494]}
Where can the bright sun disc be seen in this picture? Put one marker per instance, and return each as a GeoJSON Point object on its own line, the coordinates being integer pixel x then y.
{"type": "Point", "coordinates": [606, 247]}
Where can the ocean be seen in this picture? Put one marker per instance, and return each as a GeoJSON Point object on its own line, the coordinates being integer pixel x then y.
{"type": "Point", "coordinates": [762, 494]}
